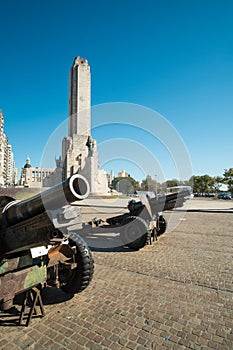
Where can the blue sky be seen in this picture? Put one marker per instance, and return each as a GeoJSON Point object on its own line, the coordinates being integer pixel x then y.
{"type": "Point", "coordinates": [174, 57]}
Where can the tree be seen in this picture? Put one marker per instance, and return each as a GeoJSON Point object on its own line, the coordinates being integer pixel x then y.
{"type": "Point", "coordinates": [228, 179]}
{"type": "Point", "coordinates": [217, 182]}
{"type": "Point", "coordinates": [149, 184]}
{"type": "Point", "coordinates": [125, 184]}
{"type": "Point", "coordinates": [172, 183]}
{"type": "Point", "coordinates": [203, 184]}
{"type": "Point", "coordinates": [189, 182]}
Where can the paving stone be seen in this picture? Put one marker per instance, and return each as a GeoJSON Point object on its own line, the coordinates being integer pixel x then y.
{"type": "Point", "coordinates": [174, 294]}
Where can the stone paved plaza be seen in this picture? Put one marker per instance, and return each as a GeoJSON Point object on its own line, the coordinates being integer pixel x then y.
{"type": "Point", "coordinates": [174, 294]}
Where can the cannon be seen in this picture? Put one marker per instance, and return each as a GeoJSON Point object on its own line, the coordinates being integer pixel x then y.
{"type": "Point", "coordinates": [36, 247]}
{"type": "Point", "coordinates": [144, 220]}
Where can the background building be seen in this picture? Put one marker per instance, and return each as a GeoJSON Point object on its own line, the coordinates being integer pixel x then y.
{"type": "Point", "coordinates": [110, 177]}
{"type": "Point", "coordinates": [7, 168]}
{"type": "Point", "coordinates": [9, 165]}
{"type": "Point", "coordinates": [34, 177]}
{"type": "Point", "coordinates": [123, 173]}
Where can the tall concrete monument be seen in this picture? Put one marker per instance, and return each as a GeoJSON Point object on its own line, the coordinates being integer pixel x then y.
{"type": "Point", "coordinates": [79, 98]}
{"type": "Point", "coordinates": [79, 150]}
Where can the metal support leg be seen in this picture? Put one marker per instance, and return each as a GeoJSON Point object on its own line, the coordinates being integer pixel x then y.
{"type": "Point", "coordinates": [33, 297]}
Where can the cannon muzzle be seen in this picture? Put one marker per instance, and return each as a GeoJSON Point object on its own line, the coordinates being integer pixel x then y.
{"type": "Point", "coordinates": [75, 188]}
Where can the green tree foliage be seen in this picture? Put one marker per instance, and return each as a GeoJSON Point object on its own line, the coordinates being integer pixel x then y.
{"type": "Point", "coordinates": [217, 182]}
{"type": "Point", "coordinates": [200, 184]}
{"type": "Point", "coordinates": [149, 184]}
{"type": "Point", "coordinates": [203, 184]}
{"type": "Point", "coordinates": [172, 183]}
{"type": "Point", "coordinates": [125, 184]}
{"type": "Point", "coordinates": [228, 179]}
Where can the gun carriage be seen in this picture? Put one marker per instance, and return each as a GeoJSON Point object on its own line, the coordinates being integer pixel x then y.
{"type": "Point", "coordinates": [36, 247]}
{"type": "Point", "coordinates": [144, 220]}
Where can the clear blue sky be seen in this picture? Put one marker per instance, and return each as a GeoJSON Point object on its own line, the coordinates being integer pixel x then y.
{"type": "Point", "coordinates": [175, 57]}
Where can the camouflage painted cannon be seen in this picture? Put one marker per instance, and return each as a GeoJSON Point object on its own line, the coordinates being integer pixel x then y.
{"type": "Point", "coordinates": [144, 219]}
{"type": "Point", "coordinates": [36, 247]}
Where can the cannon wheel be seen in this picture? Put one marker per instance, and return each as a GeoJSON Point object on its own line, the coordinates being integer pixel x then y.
{"type": "Point", "coordinates": [81, 276]}
{"type": "Point", "coordinates": [135, 227]}
{"type": "Point", "coordinates": [162, 224]}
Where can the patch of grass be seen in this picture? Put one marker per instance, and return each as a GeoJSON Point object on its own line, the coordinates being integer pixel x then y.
{"type": "Point", "coordinates": [19, 193]}
{"type": "Point", "coordinates": [108, 197]}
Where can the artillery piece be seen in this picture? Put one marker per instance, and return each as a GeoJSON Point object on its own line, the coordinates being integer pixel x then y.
{"type": "Point", "coordinates": [36, 247]}
{"type": "Point", "coordinates": [145, 220]}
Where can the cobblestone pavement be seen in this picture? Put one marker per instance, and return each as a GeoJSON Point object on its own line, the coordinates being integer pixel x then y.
{"type": "Point", "coordinates": [174, 294]}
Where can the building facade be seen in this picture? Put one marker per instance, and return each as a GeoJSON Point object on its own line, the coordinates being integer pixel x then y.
{"type": "Point", "coordinates": [123, 173]}
{"type": "Point", "coordinates": [34, 176]}
{"type": "Point", "coordinates": [7, 167]}
{"type": "Point", "coordinates": [10, 174]}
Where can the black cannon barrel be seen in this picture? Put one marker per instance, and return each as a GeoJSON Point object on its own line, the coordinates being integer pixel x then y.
{"type": "Point", "coordinates": [169, 201]}
{"type": "Point", "coordinates": [75, 188]}
{"type": "Point", "coordinates": [159, 203]}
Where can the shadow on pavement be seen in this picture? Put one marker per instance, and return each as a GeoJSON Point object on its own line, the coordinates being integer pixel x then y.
{"type": "Point", "coordinates": [50, 296]}
{"type": "Point", "coordinates": [112, 249]}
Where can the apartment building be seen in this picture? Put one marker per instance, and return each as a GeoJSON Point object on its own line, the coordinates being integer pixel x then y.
{"type": "Point", "coordinates": [7, 168]}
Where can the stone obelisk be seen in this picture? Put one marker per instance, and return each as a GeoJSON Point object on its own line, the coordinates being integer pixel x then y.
{"type": "Point", "coordinates": [74, 149]}
{"type": "Point", "coordinates": [79, 98]}
{"type": "Point", "coordinates": [79, 150]}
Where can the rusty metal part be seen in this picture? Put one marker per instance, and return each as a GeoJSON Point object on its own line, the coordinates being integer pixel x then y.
{"type": "Point", "coordinates": [32, 297]}
{"type": "Point", "coordinates": [60, 254]}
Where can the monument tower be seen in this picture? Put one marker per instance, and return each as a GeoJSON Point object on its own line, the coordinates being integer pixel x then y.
{"type": "Point", "coordinates": [79, 98]}
{"type": "Point", "coordinates": [79, 150]}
